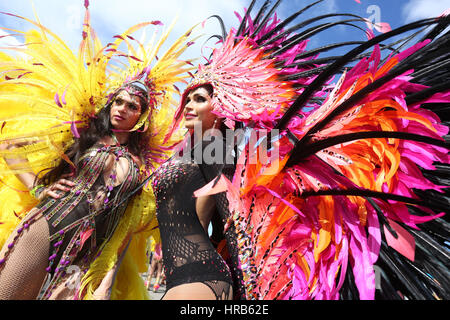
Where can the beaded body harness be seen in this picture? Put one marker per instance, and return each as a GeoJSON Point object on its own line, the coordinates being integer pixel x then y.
{"type": "Point", "coordinates": [85, 217]}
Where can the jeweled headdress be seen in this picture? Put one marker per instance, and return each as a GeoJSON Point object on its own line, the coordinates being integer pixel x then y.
{"type": "Point", "coordinates": [56, 92]}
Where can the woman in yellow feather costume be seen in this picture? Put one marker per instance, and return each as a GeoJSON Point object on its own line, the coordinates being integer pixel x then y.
{"type": "Point", "coordinates": [47, 102]}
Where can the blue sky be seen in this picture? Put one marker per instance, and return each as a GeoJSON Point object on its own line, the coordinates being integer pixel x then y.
{"type": "Point", "coordinates": [111, 17]}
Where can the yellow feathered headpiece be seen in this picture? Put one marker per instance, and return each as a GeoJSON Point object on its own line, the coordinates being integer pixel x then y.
{"type": "Point", "coordinates": [55, 92]}
{"type": "Point", "coordinates": [48, 93]}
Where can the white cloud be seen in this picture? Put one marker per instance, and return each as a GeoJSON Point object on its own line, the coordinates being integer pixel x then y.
{"type": "Point", "coordinates": [112, 17]}
{"type": "Point", "coordinates": [7, 40]}
{"type": "Point", "coordinates": [118, 17]}
{"type": "Point", "coordinates": [421, 9]}
{"type": "Point", "coordinates": [331, 6]}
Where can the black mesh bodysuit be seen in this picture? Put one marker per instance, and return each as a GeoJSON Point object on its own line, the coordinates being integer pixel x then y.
{"type": "Point", "coordinates": [211, 171]}
{"type": "Point", "coordinates": [188, 253]}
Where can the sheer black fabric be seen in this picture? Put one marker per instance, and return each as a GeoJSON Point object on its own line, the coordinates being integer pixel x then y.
{"type": "Point", "coordinates": [211, 171]}
{"type": "Point", "coordinates": [188, 254]}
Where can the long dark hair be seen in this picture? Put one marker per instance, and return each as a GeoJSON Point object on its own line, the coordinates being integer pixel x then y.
{"type": "Point", "coordinates": [98, 128]}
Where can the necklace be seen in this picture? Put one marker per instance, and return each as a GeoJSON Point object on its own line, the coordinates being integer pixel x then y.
{"type": "Point", "coordinates": [115, 139]}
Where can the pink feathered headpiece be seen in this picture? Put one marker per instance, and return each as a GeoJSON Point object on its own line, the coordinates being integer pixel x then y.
{"type": "Point", "coordinates": [246, 88]}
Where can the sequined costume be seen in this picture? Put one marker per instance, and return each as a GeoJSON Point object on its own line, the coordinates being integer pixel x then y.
{"type": "Point", "coordinates": [83, 219]}
{"type": "Point", "coordinates": [55, 94]}
{"type": "Point", "coordinates": [352, 203]}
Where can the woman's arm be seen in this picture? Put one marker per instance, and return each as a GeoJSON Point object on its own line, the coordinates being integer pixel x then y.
{"type": "Point", "coordinates": [205, 207]}
{"type": "Point", "coordinates": [29, 178]}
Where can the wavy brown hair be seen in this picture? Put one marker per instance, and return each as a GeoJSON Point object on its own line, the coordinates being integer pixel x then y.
{"type": "Point", "coordinates": [99, 127]}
